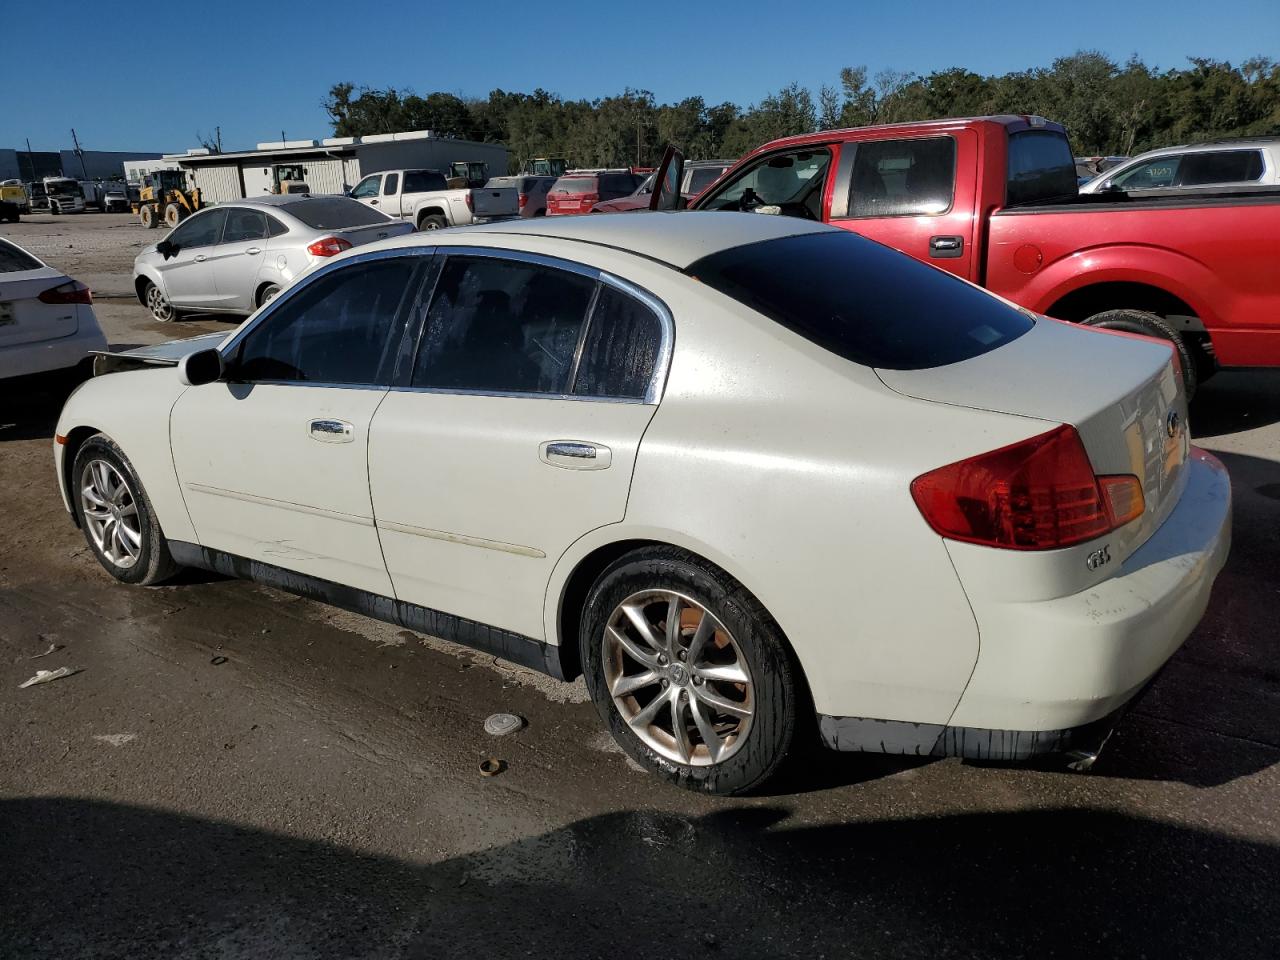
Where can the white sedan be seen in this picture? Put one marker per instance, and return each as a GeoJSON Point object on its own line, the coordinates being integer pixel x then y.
{"type": "Point", "coordinates": [47, 322]}
{"type": "Point", "coordinates": [749, 475]}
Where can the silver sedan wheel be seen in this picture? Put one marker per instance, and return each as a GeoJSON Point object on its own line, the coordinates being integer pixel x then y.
{"type": "Point", "coordinates": [110, 513]}
{"type": "Point", "coordinates": [159, 305]}
{"type": "Point", "coordinates": [678, 678]}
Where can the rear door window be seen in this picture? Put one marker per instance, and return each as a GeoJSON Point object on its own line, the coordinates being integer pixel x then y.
{"type": "Point", "coordinates": [390, 184]}
{"type": "Point", "coordinates": [899, 178]}
{"type": "Point", "coordinates": [863, 301]}
{"type": "Point", "coordinates": [1041, 168]}
{"type": "Point", "coordinates": [1220, 166]}
{"type": "Point", "coordinates": [244, 225]}
{"type": "Point", "coordinates": [498, 325]}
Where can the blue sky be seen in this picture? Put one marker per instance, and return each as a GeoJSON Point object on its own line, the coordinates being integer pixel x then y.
{"type": "Point", "coordinates": [254, 70]}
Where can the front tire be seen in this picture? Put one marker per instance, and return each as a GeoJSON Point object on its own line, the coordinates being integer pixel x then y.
{"type": "Point", "coordinates": [173, 214]}
{"type": "Point", "coordinates": [1151, 325]}
{"type": "Point", "coordinates": [147, 214]}
{"type": "Point", "coordinates": [690, 673]}
{"type": "Point", "coordinates": [116, 516]}
{"type": "Point", "coordinates": [161, 309]}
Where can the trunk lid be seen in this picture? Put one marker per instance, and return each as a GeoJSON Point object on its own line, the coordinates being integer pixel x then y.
{"type": "Point", "coordinates": [1122, 394]}
{"type": "Point", "coordinates": [24, 318]}
{"type": "Point", "coordinates": [372, 232]}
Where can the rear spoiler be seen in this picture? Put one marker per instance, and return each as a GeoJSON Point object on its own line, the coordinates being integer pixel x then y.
{"type": "Point", "coordinates": [165, 354]}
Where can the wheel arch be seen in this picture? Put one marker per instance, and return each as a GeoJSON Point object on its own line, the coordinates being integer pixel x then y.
{"type": "Point", "coordinates": [1086, 301]}
{"type": "Point", "coordinates": [75, 440]}
{"type": "Point", "coordinates": [567, 611]}
{"type": "Point", "coordinates": [425, 212]}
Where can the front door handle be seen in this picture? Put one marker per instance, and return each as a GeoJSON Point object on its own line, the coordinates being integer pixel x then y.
{"type": "Point", "coordinates": [946, 248]}
{"type": "Point", "coordinates": [575, 454]}
{"type": "Point", "coordinates": [199, 258]}
{"type": "Point", "coordinates": [253, 250]}
{"type": "Point", "coordinates": [332, 431]}
{"type": "Point", "coordinates": [374, 202]}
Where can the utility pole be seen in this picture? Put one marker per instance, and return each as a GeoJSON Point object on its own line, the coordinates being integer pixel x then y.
{"type": "Point", "coordinates": [84, 174]}
{"type": "Point", "coordinates": [31, 162]}
{"type": "Point", "coordinates": [217, 136]}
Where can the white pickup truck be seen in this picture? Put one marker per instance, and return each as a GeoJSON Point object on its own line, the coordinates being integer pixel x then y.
{"type": "Point", "coordinates": [424, 199]}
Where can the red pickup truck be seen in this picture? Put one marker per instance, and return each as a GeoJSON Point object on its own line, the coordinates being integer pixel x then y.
{"type": "Point", "coordinates": [994, 200]}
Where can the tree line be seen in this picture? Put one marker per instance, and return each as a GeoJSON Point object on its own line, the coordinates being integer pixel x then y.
{"type": "Point", "coordinates": [1107, 108]}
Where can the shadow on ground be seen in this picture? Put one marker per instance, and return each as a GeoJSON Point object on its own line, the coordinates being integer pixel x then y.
{"type": "Point", "coordinates": [1234, 401]}
{"type": "Point", "coordinates": [97, 879]}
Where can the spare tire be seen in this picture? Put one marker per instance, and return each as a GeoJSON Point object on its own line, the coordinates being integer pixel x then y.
{"type": "Point", "coordinates": [1151, 325]}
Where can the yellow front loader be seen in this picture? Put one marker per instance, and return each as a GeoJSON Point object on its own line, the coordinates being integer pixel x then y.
{"type": "Point", "coordinates": [164, 195]}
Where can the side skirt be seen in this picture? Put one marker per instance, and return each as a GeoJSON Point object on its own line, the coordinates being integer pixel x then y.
{"type": "Point", "coordinates": [514, 647]}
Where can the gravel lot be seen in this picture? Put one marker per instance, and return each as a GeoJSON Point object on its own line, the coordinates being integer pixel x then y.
{"type": "Point", "coordinates": [317, 793]}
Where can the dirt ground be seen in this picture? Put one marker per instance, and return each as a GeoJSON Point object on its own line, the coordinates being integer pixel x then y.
{"type": "Point", "coordinates": [236, 772]}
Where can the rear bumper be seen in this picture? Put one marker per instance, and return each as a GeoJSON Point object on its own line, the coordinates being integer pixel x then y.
{"type": "Point", "coordinates": [1052, 673]}
{"type": "Point", "coordinates": [46, 356]}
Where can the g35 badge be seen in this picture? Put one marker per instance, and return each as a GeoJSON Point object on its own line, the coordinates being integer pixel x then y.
{"type": "Point", "coordinates": [1099, 557]}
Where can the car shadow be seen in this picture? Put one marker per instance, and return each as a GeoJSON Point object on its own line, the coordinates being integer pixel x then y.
{"type": "Point", "coordinates": [29, 407]}
{"type": "Point", "coordinates": [91, 878]}
{"type": "Point", "coordinates": [1235, 401]}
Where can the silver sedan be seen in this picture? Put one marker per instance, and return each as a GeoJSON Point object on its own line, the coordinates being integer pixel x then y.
{"type": "Point", "coordinates": [234, 257]}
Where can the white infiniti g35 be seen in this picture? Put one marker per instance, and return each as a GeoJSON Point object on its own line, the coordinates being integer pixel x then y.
{"type": "Point", "coordinates": [744, 473]}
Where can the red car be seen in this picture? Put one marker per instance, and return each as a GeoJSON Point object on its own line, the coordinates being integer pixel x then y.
{"type": "Point", "coordinates": [579, 192]}
{"type": "Point", "coordinates": [994, 200]}
{"type": "Point", "coordinates": [698, 175]}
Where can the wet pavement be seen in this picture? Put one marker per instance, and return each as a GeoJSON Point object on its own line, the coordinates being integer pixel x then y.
{"type": "Point", "coordinates": [236, 772]}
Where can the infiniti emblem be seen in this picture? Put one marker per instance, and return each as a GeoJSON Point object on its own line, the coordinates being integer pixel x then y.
{"type": "Point", "coordinates": [1172, 423]}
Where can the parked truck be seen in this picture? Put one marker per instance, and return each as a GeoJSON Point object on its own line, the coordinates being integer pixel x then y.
{"type": "Point", "coordinates": [423, 198]}
{"type": "Point", "coordinates": [994, 200]}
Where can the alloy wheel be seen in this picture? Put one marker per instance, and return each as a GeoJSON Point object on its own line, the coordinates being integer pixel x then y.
{"type": "Point", "coordinates": [110, 513]}
{"type": "Point", "coordinates": [159, 305]}
{"type": "Point", "coordinates": [678, 678]}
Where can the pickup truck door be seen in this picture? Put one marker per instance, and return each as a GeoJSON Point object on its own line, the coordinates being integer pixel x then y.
{"type": "Point", "coordinates": [368, 191]}
{"type": "Point", "coordinates": [914, 194]}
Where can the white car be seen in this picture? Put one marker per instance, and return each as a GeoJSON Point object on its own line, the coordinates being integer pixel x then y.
{"type": "Point", "coordinates": [1218, 164]}
{"type": "Point", "coordinates": [739, 470]}
{"type": "Point", "coordinates": [46, 318]}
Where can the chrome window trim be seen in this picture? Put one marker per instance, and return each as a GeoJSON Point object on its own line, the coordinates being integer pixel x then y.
{"type": "Point", "coordinates": [657, 382]}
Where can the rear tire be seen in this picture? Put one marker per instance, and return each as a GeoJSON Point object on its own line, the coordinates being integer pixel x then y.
{"type": "Point", "coordinates": [173, 214]}
{"type": "Point", "coordinates": [268, 293]}
{"type": "Point", "coordinates": [433, 222]}
{"type": "Point", "coordinates": [116, 516]}
{"type": "Point", "coordinates": [646, 681]}
{"type": "Point", "coordinates": [1151, 325]}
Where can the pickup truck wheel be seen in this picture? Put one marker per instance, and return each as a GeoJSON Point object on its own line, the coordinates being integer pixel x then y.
{"type": "Point", "coordinates": [690, 673]}
{"type": "Point", "coordinates": [433, 222]}
{"type": "Point", "coordinates": [1151, 325]}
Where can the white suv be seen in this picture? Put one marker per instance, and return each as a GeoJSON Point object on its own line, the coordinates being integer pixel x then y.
{"type": "Point", "coordinates": [1215, 164]}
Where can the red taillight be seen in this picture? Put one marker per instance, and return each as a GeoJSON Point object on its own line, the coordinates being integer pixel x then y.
{"type": "Point", "coordinates": [524, 200]}
{"type": "Point", "coordinates": [470, 203]}
{"type": "Point", "coordinates": [69, 292]}
{"type": "Point", "coordinates": [1038, 494]}
{"type": "Point", "coordinates": [328, 247]}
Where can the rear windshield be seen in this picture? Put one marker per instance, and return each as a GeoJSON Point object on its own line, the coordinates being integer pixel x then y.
{"type": "Point", "coordinates": [575, 185]}
{"type": "Point", "coordinates": [333, 213]}
{"type": "Point", "coordinates": [1041, 168]}
{"type": "Point", "coordinates": [863, 301]}
{"type": "Point", "coordinates": [15, 259]}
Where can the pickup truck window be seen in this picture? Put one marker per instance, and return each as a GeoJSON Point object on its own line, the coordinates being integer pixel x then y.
{"type": "Point", "coordinates": [863, 301]}
{"type": "Point", "coordinates": [1041, 168]}
{"type": "Point", "coordinates": [901, 178]}
{"type": "Point", "coordinates": [390, 184]}
{"type": "Point", "coordinates": [368, 187]}
{"type": "Point", "coordinates": [783, 183]}
{"type": "Point", "coordinates": [423, 181]}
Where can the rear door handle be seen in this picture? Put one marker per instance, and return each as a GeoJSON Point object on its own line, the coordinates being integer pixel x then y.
{"type": "Point", "coordinates": [946, 248]}
{"type": "Point", "coordinates": [199, 258]}
{"type": "Point", "coordinates": [332, 431]}
{"type": "Point", "coordinates": [253, 250]}
{"type": "Point", "coordinates": [575, 454]}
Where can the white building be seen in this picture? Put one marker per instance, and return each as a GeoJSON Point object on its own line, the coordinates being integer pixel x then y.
{"type": "Point", "coordinates": [328, 166]}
